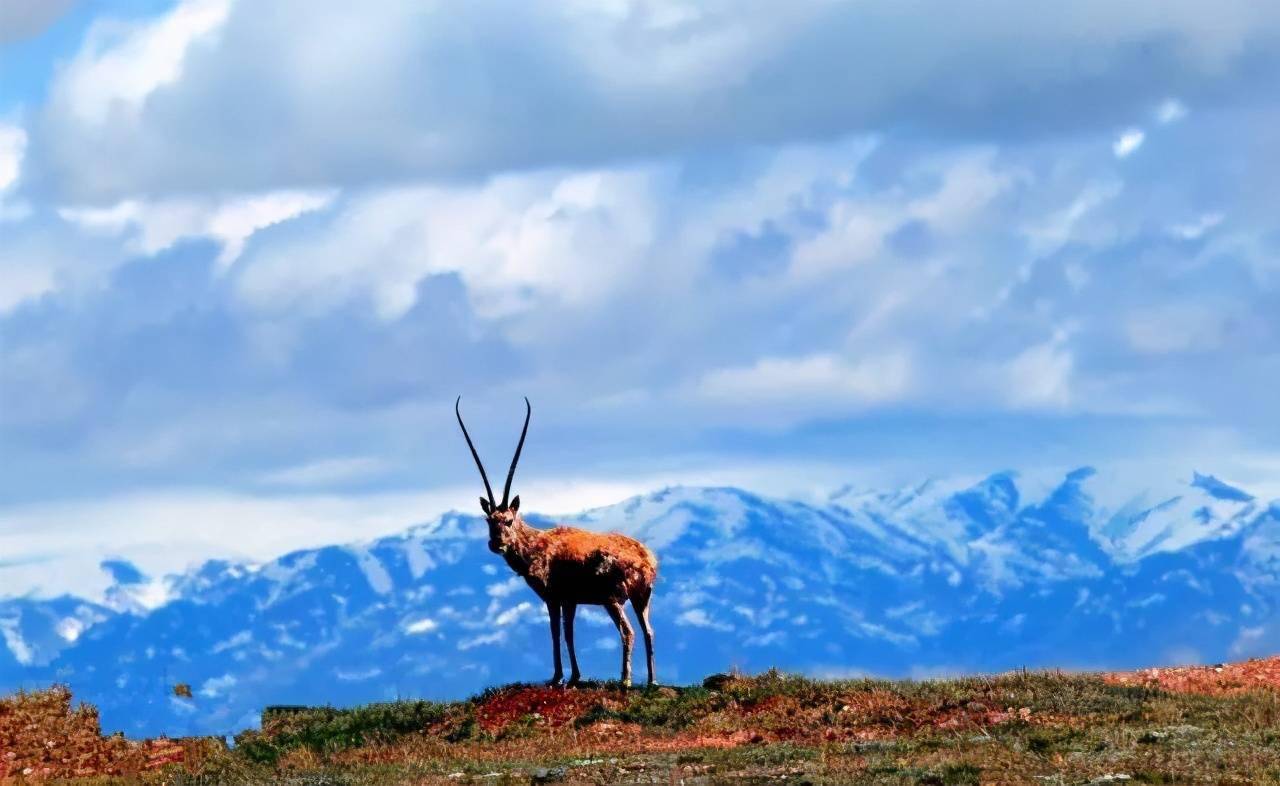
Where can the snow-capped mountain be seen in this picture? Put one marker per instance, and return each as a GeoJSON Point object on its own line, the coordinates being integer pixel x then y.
{"type": "Point", "coordinates": [931, 579]}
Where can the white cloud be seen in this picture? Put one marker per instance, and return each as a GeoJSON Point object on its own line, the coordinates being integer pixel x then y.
{"type": "Point", "coordinates": [721, 276]}
{"type": "Point", "coordinates": [326, 471]}
{"type": "Point", "coordinates": [518, 242]}
{"type": "Point", "coordinates": [39, 258]}
{"type": "Point", "coordinates": [699, 618]}
{"type": "Point", "coordinates": [1049, 233]}
{"type": "Point", "coordinates": [215, 686]}
{"type": "Point", "coordinates": [70, 628]}
{"type": "Point", "coordinates": [1040, 376]}
{"type": "Point", "coordinates": [13, 149]}
{"type": "Point", "coordinates": [1196, 228]}
{"type": "Point", "coordinates": [969, 183]}
{"type": "Point", "coordinates": [1170, 111]}
{"type": "Point", "coordinates": [822, 378]}
{"type": "Point", "coordinates": [522, 610]}
{"type": "Point", "coordinates": [858, 228]}
{"type": "Point", "coordinates": [240, 639]}
{"type": "Point", "coordinates": [855, 237]}
{"type": "Point", "coordinates": [497, 637]}
{"type": "Point", "coordinates": [321, 96]}
{"type": "Point", "coordinates": [23, 283]}
{"type": "Point", "coordinates": [504, 588]}
{"type": "Point", "coordinates": [11, 630]}
{"type": "Point", "coordinates": [121, 64]}
{"type": "Point", "coordinates": [1128, 141]}
{"type": "Point", "coordinates": [152, 227]}
{"type": "Point", "coordinates": [13, 146]}
{"type": "Point", "coordinates": [424, 625]}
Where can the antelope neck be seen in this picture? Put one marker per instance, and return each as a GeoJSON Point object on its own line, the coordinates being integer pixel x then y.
{"type": "Point", "coordinates": [525, 542]}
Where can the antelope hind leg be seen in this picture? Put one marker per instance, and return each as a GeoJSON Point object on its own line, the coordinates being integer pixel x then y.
{"type": "Point", "coordinates": [619, 617]}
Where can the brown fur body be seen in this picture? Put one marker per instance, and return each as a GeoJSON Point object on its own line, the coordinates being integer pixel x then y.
{"type": "Point", "coordinates": [568, 567]}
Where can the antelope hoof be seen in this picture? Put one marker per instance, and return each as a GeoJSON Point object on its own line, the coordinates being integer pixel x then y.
{"type": "Point", "coordinates": [556, 681]}
{"type": "Point", "coordinates": [574, 679]}
{"type": "Point", "coordinates": [626, 681]}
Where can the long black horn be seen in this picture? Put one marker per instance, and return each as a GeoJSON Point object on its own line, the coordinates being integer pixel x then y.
{"type": "Point", "coordinates": [511, 473]}
{"type": "Point", "coordinates": [456, 408]}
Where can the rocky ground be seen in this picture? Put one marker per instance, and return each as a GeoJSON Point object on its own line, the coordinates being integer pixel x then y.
{"type": "Point", "coordinates": [1212, 724]}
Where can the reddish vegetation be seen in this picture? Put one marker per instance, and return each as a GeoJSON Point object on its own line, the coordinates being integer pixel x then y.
{"type": "Point", "coordinates": [43, 736]}
{"type": "Point", "coordinates": [860, 715]}
{"type": "Point", "coordinates": [541, 706]}
{"type": "Point", "coordinates": [1223, 679]}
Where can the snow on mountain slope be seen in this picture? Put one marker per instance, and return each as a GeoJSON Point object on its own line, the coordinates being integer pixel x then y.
{"type": "Point", "coordinates": [34, 632]}
{"type": "Point", "coordinates": [1188, 513]}
{"type": "Point", "coordinates": [939, 577]}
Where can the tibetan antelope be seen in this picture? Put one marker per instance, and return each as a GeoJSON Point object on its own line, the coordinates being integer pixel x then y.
{"type": "Point", "coordinates": [568, 567]}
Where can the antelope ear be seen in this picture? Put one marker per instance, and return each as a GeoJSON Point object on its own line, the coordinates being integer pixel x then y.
{"type": "Point", "coordinates": [515, 504]}
{"type": "Point", "coordinates": [484, 505]}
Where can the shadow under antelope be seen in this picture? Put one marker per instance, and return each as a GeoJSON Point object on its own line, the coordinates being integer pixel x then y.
{"type": "Point", "coordinates": [569, 567]}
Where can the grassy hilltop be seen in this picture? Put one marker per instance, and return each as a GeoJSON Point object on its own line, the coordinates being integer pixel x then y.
{"type": "Point", "coordinates": [1207, 725]}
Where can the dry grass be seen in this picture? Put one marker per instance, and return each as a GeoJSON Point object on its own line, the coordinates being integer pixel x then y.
{"type": "Point", "coordinates": [1221, 680]}
{"type": "Point", "coordinates": [1015, 729]}
{"type": "Point", "coordinates": [43, 737]}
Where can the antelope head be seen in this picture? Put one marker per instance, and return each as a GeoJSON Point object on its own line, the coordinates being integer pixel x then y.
{"type": "Point", "coordinates": [502, 518]}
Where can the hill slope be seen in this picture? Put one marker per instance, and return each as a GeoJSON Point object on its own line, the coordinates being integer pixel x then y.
{"type": "Point", "coordinates": [1011, 729]}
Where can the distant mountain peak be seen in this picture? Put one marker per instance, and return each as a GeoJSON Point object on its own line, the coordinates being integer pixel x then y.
{"type": "Point", "coordinates": [122, 571]}
{"type": "Point", "coordinates": [1219, 490]}
{"type": "Point", "coordinates": [1081, 474]}
{"type": "Point", "coordinates": [133, 591]}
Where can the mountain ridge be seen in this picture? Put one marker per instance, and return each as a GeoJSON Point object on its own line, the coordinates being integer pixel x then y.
{"type": "Point", "coordinates": [932, 579]}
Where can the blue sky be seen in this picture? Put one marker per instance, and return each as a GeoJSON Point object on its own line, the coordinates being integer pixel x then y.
{"type": "Point", "coordinates": [250, 253]}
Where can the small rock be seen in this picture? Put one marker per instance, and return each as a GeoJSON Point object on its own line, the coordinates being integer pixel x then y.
{"type": "Point", "coordinates": [545, 775]}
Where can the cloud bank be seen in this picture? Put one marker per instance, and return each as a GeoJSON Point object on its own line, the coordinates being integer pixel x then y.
{"type": "Point", "coordinates": [258, 248]}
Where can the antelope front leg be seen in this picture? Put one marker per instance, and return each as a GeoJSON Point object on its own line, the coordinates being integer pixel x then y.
{"type": "Point", "coordinates": [553, 611]}
{"type": "Point", "coordinates": [619, 618]}
{"type": "Point", "coordinates": [569, 610]}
